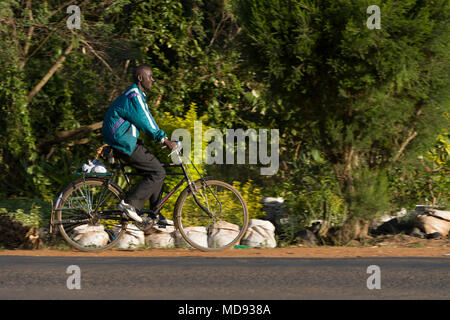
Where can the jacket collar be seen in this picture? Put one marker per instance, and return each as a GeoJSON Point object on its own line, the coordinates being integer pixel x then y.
{"type": "Point", "coordinates": [140, 91]}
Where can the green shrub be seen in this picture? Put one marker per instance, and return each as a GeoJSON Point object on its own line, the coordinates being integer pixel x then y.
{"type": "Point", "coordinates": [252, 196]}
{"type": "Point", "coordinates": [370, 197]}
{"type": "Point", "coordinates": [311, 194]}
{"type": "Point", "coordinates": [425, 179]}
{"type": "Point", "coordinates": [169, 123]}
{"type": "Point", "coordinates": [30, 212]}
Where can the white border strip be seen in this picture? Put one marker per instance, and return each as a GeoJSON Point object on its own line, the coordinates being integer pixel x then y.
{"type": "Point", "coordinates": [146, 112]}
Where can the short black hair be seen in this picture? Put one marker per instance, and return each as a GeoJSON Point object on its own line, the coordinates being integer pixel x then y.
{"type": "Point", "coordinates": [138, 70]}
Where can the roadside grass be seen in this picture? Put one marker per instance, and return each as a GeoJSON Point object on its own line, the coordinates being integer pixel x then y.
{"type": "Point", "coordinates": [29, 212]}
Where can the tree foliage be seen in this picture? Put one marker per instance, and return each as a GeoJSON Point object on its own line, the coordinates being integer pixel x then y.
{"type": "Point", "coordinates": [358, 109]}
{"type": "Point", "coordinates": [366, 99]}
{"type": "Point", "coordinates": [57, 83]}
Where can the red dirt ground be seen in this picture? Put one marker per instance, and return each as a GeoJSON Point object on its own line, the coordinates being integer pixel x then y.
{"type": "Point", "coordinates": [388, 246]}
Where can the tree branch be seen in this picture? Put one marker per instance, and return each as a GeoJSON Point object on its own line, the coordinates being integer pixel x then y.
{"type": "Point", "coordinates": [99, 57]}
{"type": "Point", "coordinates": [70, 134]}
{"type": "Point", "coordinates": [65, 5]}
{"type": "Point", "coordinates": [50, 73]}
{"type": "Point", "coordinates": [41, 43]}
{"type": "Point", "coordinates": [411, 135]}
{"type": "Point", "coordinates": [32, 27]}
{"type": "Point", "coordinates": [29, 36]}
{"type": "Point", "coordinates": [67, 134]}
{"type": "Point", "coordinates": [223, 19]}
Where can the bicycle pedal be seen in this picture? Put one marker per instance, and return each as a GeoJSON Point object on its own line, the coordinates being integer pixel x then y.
{"type": "Point", "coordinates": [125, 217]}
{"type": "Point", "coordinates": [146, 224]}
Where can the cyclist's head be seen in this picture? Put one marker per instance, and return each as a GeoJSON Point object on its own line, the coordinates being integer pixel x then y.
{"type": "Point", "coordinates": [143, 76]}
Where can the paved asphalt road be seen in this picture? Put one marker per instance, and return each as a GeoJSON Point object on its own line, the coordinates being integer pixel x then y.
{"type": "Point", "coordinates": [202, 278]}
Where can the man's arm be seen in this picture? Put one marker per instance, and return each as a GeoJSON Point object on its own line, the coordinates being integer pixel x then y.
{"type": "Point", "coordinates": [139, 115]}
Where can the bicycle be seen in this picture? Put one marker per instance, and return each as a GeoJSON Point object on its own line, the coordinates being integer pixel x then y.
{"type": "Point", "coordinates": [91, 204]}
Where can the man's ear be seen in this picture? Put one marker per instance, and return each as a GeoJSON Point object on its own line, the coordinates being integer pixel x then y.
{"type": "Point", "coordinates": [139, 77]}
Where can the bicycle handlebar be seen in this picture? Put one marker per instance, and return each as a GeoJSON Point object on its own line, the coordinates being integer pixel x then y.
{"type": "Point", "coordinates": [177, 148]}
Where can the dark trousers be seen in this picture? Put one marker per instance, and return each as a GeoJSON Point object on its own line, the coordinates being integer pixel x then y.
{"type": "Point", "coordinates": [153, 176]}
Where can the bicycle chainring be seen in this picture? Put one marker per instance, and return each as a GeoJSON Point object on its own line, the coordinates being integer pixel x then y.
{"type": "Point", "coordinates": [146, 224]}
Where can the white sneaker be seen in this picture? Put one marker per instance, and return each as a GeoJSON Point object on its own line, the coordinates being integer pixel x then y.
{"type": "Point", "coordinates": [129, 210]}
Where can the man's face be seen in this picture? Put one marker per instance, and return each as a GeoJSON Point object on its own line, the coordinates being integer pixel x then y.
{"type": "Point", "coordinates": [147, 79]}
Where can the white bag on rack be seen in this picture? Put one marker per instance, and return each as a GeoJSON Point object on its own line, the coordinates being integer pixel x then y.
{"type": "Point", "coordinates": [94, 166]}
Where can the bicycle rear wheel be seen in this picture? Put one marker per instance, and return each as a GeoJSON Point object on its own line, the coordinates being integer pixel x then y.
{"type": "Point", "coordinates": [226, 225]}
{"type": "Point", "coordinates": [82, 214]}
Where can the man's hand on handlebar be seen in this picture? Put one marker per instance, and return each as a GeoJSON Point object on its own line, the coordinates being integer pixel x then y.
{"type": "Point", "coordinates": [170, 144]}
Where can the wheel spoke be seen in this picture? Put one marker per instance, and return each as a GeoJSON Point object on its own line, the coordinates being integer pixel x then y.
{"type": "Point", "coordinates": [229, 211]}
{"type": "Point", "coordinates": [103, 229]}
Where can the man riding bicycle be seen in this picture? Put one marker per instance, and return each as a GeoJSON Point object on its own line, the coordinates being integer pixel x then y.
{"type": "Point", "coordinates": [125, 117]}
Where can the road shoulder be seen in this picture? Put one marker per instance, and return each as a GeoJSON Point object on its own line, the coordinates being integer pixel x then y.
{"type": "Point", "coordinates": [288, 252]}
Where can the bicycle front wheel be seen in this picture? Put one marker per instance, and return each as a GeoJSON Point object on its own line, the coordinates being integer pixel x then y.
{"type": "Point", "coordinates": [221, 225]}
{"type": "Point", "coordinates": [87, 215]}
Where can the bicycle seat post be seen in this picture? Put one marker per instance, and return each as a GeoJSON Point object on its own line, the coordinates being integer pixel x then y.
{"type": "Point", "coordinates": [122, 168]}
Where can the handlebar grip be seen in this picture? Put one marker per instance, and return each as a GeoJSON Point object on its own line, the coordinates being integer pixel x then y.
{"type": "Point", "coordinates": [177, 148]}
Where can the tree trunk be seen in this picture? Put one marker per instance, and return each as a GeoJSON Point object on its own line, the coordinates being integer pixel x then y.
{"type": "Point", "coordinates": [353, 229]}
{"type": "Point", "coordinates": [344, 170]}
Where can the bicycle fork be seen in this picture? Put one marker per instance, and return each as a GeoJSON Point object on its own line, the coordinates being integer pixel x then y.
{"type": "Point", "coordinates": [194, 191]}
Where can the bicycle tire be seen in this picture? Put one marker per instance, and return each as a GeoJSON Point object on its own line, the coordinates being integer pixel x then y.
{"type": "Point", "coordinates": [181, 219]}
{"type": "Point", "coordinates": [113, 238]}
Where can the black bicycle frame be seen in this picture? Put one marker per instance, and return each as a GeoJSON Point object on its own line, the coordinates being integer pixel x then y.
{"type": "Point", "coordinates": [161, 202]}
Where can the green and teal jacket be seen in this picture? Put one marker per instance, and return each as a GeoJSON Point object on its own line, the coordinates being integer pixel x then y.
{"type": "Point", "coordinates": [125, 117]}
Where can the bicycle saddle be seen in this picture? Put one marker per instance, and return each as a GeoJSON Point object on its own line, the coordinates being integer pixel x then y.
{"type": "Point", "coordinates": [108, 154]}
